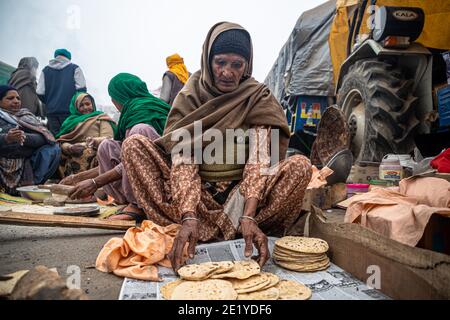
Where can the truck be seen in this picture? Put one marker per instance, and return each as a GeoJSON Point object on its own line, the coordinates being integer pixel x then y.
{"type": "Point", "coordinates": [382, 62]}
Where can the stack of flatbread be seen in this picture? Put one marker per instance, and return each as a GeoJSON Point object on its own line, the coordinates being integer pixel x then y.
{"type": "Point", "coordinates": [226, 280]}
{"type": "Point", "coordinates": [301, 254]}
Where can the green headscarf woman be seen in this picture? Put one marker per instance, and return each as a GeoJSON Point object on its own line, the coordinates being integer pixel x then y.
{"type": "Point", "coordinates": [136, 104]}
{"type": "Point", "coordinates": [78, 116]}
{"type": "Point", "coordinates": [81, 134]}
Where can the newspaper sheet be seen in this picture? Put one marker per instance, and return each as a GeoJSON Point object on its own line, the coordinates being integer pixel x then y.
{"type": "Point", "coordinates": [331, 284]}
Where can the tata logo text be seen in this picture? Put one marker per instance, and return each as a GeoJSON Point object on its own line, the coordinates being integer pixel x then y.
{"type": "Point", "coordinates": [405, 15]}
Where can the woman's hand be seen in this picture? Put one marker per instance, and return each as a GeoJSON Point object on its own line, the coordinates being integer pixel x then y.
{"type": "Point", "coordinates": [252, 234]}
{"type": "Point", "coordinates": [76, 149]}
{"type": "Point", "coordinates": [83, 189]}
{"type": "Point", "coordinates": [15, 135]}
{"type": "Point", "coordinates": [69, 180]}
{"type": "Point", "coordinates": [188, 233]}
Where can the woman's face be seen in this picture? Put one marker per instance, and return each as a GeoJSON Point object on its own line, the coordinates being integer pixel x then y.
{"type": "Point", "coordinates": [11, 102]}
{"type": "Point", "coordinates": [228, 69]}
{"type": "Point", "coordinates": [117, 105]}
{"type": "Point", "coordinates": [86, 106]}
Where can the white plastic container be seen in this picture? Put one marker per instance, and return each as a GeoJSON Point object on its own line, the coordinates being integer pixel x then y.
{"type": "Point", "coordinates": [390, 167]}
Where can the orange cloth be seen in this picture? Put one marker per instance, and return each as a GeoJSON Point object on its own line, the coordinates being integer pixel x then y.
{"type": "Point", "coordinates": [139, 252]}
{"type": "Point", "coordinates": [401, 213]}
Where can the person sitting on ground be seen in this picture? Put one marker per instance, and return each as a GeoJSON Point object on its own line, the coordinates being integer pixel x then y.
{"type": "Point", "coordinates": [174, 79]}
{"type": "Point", "coordinates": [29, 154]}
{"type": "Point", "coordinates": [219, 201]}
{"type": "Point", "coordinates": [81, 134]}
{"type": "Point", "coordinates": [24, 80]}
{"type": "Point", "coordinates": [140, 113]}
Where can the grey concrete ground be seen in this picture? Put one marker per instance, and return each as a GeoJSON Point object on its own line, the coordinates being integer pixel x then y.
{"type": "Point", "coordinates": [22, 248]}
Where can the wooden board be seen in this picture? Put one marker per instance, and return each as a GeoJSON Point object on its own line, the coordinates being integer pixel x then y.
{"type": "Point", "coordinates": [30, 219]}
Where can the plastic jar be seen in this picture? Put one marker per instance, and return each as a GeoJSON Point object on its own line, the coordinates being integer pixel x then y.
{"type": "Point", "coordinates": [390, 168]}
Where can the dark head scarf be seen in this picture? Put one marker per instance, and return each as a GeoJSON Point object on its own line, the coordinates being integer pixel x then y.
{"type": "Point", "coordinates": [24, 74]}
{"type": "Point", "coordinates": [28, 63]}
{"type": "Point", "coordinates": [4, 90]}
{"type": "Point", "coordinates": [232, 41]}
{"type": "Point", "coordinates": [76, 116]}
{"type": "Point", "coordinates": [251, 104]}
{"type": "Point", "coordinates": [138, 105]}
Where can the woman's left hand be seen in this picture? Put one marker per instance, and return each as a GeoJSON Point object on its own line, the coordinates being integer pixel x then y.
{"type": "Point", "coordinates": [189, 232]}
{"type": "Point", "coordinates": [83, 189]}
{"type": "Point", "coordinates": [252, 234]}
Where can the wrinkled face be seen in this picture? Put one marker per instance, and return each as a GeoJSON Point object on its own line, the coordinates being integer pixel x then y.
{"type": "Point", "coordinates": [86, 106]}
{"type": "Point", "coordinates": [228, 69]}
{"type": "Point", "coordinates": [11, 102]}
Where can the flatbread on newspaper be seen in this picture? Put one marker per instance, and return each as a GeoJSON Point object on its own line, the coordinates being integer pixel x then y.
{"type": "Point", "coordinates": [266, 294]}
{"type": "Point", "coordinates": [167, 289]}
{"type": "Point", "coordinates": [210, 289]}
{"type": "Point", "coordinates": [241, 270]}
{"type": "Point", "coordinates": [253, 283]}
{"type": "Point", "coordinates": [302, 244]}
{"type": "Point", "coordinates": [292, 290]}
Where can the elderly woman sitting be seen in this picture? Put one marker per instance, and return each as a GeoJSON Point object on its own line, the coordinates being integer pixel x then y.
{"type": "Point", "coordinates": [216, 200]}
{"type": "Point", "coordinates": [81, 134]}
{"type": "Point", "coordinates": [28, 152]}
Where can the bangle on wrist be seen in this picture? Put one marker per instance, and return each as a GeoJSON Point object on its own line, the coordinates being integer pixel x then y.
{"type": "Point", "coordinates": [249, 218]}
{"type": "Point", "coordinates": [189, 218]}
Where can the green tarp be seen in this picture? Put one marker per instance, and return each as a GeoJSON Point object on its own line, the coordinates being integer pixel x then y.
{"type": "Point", "coordinates": [5, 72]}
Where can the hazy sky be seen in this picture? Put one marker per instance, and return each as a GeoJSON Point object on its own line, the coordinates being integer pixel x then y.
{"type": "Point", "coordinates": [111, 36]}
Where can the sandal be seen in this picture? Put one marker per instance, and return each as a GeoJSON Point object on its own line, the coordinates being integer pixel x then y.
{"type": "Point", "coordinates": [138, 217]}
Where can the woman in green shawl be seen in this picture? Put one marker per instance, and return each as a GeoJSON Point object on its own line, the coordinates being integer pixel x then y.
{"type": "Point", "coordinates": [81, 134]}
{"type": "Point", "coordinates": [140, 113]}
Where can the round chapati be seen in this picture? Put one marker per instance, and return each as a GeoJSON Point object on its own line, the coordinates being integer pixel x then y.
{"type": "Point", "coordinates": [303, 267]}
{"type": "Point", "coordinates": [210, 289]}
{"type": "Point", "coordinates": [167, 289]}
{"type": "Point", "coordinates": [266, 294]}
{"type": "Point", "coordinates": [303, 244]}
{"type": "Point", "coordinates": [250, 284]}
{"type": "Point", "coordinates": [273, 278]}
{"type": "Point", "coordinates": [241, 270]}
{"type": "Point", "coordinates": [197, 272]}
{"type": "Point", "coordinates": [223, 266]}
{"type": "Point", "coordinates": [292, 290]}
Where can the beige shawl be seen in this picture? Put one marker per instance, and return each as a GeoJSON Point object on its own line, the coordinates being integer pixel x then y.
{"type": "Point", "coordinates": [80, 132]}
{"type": "Point", "coordinates": [251, 104]}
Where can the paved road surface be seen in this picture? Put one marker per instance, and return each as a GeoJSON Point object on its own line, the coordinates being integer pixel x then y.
{"type": "Point", "coordinates": [22, 248]}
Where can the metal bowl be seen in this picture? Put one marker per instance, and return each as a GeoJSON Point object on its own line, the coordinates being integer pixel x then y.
{"type": "Point", "coordinates": [34, 193]}
{"type": "Point", "coordinates": [341, 163]}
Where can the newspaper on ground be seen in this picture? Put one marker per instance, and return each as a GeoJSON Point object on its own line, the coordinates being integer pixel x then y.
{"type": "Point", "coordinates": [331, 284]}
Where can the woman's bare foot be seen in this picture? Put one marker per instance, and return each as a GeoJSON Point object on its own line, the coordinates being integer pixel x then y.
{"type": "Point", "coordinates": [129, 213]}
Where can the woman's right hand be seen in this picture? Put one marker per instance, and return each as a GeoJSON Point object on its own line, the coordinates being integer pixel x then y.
{"type": "Point", "coordinates": [83, 189]}
{"type": "Point", "coordinates": [15, 135]}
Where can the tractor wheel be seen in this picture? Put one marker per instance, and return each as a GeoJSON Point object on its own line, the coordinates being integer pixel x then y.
{"type": "Point", "coordinates": [378, 103]}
